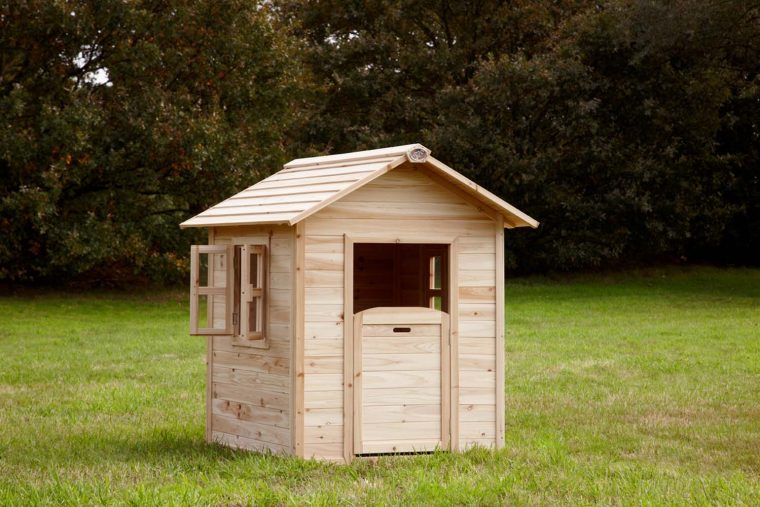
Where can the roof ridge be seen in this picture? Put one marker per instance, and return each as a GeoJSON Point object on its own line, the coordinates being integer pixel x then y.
{"type": "Point", "coordinates": [392, 151]}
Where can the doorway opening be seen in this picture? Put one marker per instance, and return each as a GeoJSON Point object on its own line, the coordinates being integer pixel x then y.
{"type": "Point", "coordinates": [401, 275]}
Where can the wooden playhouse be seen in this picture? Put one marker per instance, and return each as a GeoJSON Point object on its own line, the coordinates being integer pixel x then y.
{"type": "Point", "coordinates": [354, 305]}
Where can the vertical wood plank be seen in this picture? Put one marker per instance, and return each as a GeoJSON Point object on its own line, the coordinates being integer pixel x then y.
{"type": "Point", "coordinates": [230, 288]}
{"type": "Point", "coordinates": [297, 368]}
{"type": "Point", "coordinates": [348, 349]}
{"type": "Point", "coordinates": [357, 404]}
{"type": "Point", "coordinates": [500, 408]}
{"type": "Point", "coordinates": [445, 382]}
{"type": "Point", "coordinates": [194, 276]}
{"type": "Point", "coordinates": [454, 343]}
{"type": "Point", "coordinates": [209, 352]}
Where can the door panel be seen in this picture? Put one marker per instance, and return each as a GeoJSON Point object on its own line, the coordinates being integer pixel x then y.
{"type": "Point", "coordinates": [402, 392]}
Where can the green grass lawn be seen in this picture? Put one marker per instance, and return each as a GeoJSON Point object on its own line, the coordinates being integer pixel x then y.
{"type": "Point", "coordinates": [641, 388]}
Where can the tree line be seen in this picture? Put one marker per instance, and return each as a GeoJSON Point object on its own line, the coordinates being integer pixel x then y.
{"type": "Point", "coordinates": [629, 128]}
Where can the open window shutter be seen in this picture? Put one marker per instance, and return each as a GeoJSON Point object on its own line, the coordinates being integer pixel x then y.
{"type": "Point", "coordinates": [211, 289]}
{"type": "Point", "coordinates": [253, 277]}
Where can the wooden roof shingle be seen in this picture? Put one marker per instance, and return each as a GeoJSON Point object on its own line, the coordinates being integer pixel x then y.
{"type": "Point", "coordinates": [306, 185]}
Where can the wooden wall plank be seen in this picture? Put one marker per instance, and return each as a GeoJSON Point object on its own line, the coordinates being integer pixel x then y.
{"type": "Point", "coordinates": [456, 334]}
{"type": "Point", "coordinates": [249, 389]}
{"type": "Point", "coordinates": [348, 351]}
{"type": "Point", "coordinates": [324, 399]}
{"type": "Point", "coordinates": [323, 434]}
{"type": "Point", "coordinates": [252, 413]}
{"type": "Point", "coordinates": [482, 294]}
{"type": "Point", "coordinates": [323, 416]}
{"type": "Point", "coordinates": [297, 367]}
{"type": "Point", "coordinates": [324, 330]}
{"type": "Point", "coordinates": [253, 362]}
{"type": "Point", "coordinates": [408, 230]}
{"type": "Point", "coordinates": [330, 451]}
{"type": "Point", "coordinates": [248, 444]}
{"type": "Point", "coordinates": [251, 379]}
{"type": "Point", "coordinates": [248, 429]}
{"type": "Point", "coordinates": [323, 382]}
{"type": "Point", "coordinates": [483, 413]}
{"type": "Point", "coordinates": [395, 413]}
{"type": "Point", "coordinates": [410, 378]}
{"type": "Point", "coordinates": [399, 431]}
{"type": "Point", "coordinates": [500, 401]}
{"type": "Point", "coordinates": [260, 397]}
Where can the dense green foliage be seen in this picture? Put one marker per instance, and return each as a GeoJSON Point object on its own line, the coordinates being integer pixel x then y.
{"type": "Point", "coordinates": [119, 119]}
{"type": "Point", "coordinates": [629, 128]}
{"type": "Point", "coordinates": [625, 390]}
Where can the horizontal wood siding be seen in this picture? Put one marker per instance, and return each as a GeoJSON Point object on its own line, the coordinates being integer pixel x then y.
{"type": "Point", "coordinates": [323, 346]}
{"type": "Point", "coordinates": [477, 341]}
{"type": "Point", "coordinates": [251, 387]}
{"type": "Point", "coordinates": [408, 206]}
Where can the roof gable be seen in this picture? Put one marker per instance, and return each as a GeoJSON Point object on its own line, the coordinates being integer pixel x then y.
{"type": "Point", "coordinates": [308, 185]}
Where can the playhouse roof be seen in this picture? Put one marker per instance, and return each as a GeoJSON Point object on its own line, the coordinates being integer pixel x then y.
{"type": "Point", "coordinates": [306, 185]}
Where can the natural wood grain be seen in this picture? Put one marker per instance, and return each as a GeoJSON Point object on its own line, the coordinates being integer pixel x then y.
{"type": "Point", "coordinates": [445, 375]}
{"type": "Point", "coordinates": [323, 434]}
{"type": "Point", "coordinates": [252, 361]}
{"type": "Point", "coordinates": [247, 444]}
{"type": "Point", "coordinates": [324, 399]}
{"type": "Point", "coordinates": [324, 330]}
{"type": "Point", "coordinates": [392, 152]}
{"type": "Point", "coordinates": [400, 431]}
{"type": "Point", "coordinates": [473, 413]}
{"type": "Point", "coordinates": [349, 339]}
{"type": "Point", "coordinates": [441, 231]}
{"type": "Point", "coordinates": [297, 381]}
{"type": "Point", "coordinates": [323, 416]}
{"type": "Point", "coordinates": [499, 352]}
{"type": "Point", "coordinates": [259, 432]}
{"type": "Point", "coordinates": [251, 413]}
{"type": "Point", "coordinates": [258, 397]}
{"type": "Point", "coordinates": [396, 446]}
{"type": "Point", "coordinates": [251, 379]}
{"type": "Point", "coordinates": [477, 294]}
{"type": "Point", "coordinates": [403, 413]}
{"type": "Point", "coordinates": [323, 382]}
{"type": "Point", "coordinates": [411, 378]}
{"type": "Point", "coordinates": [455, 336]}
{"type": "Point", "coordinates": [325, 244]}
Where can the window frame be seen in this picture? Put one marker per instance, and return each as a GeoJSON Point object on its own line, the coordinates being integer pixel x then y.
{"type": "Point", "coordinates": [197, 290]}
{"type": "Point", "coordinates": [255, 292]}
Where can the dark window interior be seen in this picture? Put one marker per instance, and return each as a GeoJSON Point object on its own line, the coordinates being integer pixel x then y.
{"type": "Point", "coordinates": [391, 274]}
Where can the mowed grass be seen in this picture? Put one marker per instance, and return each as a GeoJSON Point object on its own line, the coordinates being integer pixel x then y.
{"type": "Point", "coordinates": [642, 388]}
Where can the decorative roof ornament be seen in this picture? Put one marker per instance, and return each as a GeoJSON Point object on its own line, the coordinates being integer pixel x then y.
{"type": "Point", "coordinates": [417, 155]}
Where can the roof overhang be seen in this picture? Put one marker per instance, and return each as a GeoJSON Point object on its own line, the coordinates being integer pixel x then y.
{"type": "Point", "coordinates": [338, 176]}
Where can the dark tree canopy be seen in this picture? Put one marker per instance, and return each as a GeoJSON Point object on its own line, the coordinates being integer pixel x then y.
{"type": "Point", "coordinates": [119, 119]}
{"type": "Point", "coordinates": [629, 128]}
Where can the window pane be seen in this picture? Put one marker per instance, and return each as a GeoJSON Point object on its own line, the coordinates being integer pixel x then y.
{"type": "Point", "coordinates": [435, 272]}
{"type": "Point", "coordinates": [212, 270]}
{"type": "Point", "coordinates": [218, 263]}
{"type": "Point", "coordinates": [253, 315]}
{"type": "Point", "coordinates": [435, 302]}
{"type": "Point", "coordinates": [203, 260]}
{"type": "Point", "coordinates": [254, 270]}
{"type": "Point", "coordinates": [203, 311]}
{"type": "Point", "coordinates": [211, 311]}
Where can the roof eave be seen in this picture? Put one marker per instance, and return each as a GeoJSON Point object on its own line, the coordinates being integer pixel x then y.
{"type": "Point", "coordinates": [513, 217]}
{"type": "Point", "coordinates": [221, 223]}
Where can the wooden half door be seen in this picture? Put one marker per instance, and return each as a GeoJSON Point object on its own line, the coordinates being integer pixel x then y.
{"type": "Point", "coordinates": [402, 388]}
